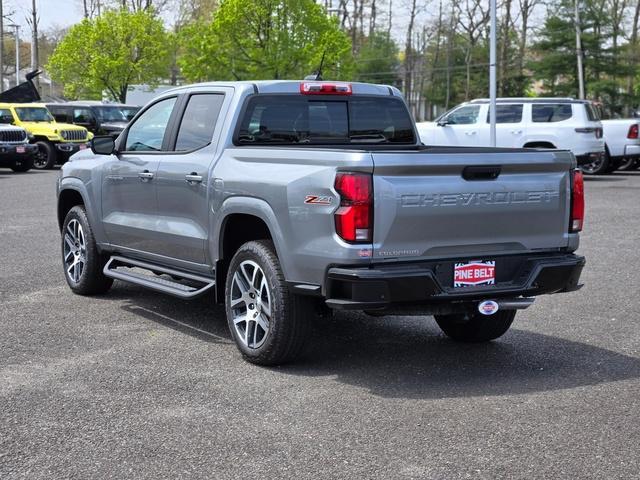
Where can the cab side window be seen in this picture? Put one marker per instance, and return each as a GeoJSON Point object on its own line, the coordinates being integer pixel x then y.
{"type": "Point", "coordinates": [147, 133]}
{"type": "Point", "coordinates": [466, 115]}
{"type": "Point", "coordinates": [199, 121]}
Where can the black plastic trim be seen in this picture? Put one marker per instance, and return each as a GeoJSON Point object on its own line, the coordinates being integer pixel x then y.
{"type": "Point", "coordinates": [381, 286]}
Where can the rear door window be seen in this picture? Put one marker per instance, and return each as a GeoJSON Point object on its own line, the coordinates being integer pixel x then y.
{"type": "Point", "coordinates": [550, 112]}
{"type": "Point", "coordinates": [511, 113]}
{"type": "Point", "coordinates": [592, 113]}
{"type": "Point", "coordinates": [199, 121]}
{"type": "Point", "coordinates": [295, 119]}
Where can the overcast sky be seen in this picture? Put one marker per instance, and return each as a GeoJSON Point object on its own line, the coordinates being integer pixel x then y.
{"type": "Point", "coordinates": [64, 13]}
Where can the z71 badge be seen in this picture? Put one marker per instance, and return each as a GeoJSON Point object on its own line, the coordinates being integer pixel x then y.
{"type": "Point", "coordinates": [318, 199]}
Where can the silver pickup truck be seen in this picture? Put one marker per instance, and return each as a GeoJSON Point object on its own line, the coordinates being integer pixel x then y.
{"type": "Point", "coordinates": [285, 199]}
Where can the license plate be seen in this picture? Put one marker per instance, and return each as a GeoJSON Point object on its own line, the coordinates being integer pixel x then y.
{"type": "Point", "coordinates": [82, 147]}
{"type": "Point", "coordinates": [20, 150]}
{"type": "Point", "coordinates": [476, 272]}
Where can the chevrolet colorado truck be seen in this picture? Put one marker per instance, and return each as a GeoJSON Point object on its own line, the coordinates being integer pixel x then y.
{"type": "Point", "coordinates": [284, 199]}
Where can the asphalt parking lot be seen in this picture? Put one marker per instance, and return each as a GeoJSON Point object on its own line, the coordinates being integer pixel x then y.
{"type": "Point", "coordinates": [138, 385]}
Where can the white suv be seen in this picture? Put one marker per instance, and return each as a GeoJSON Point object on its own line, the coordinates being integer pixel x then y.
{"type": "Point", "coordinates": [562, 123]}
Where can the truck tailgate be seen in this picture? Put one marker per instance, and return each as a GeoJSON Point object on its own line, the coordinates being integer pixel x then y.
{"type": "Point", "coordinates": [468, 202]}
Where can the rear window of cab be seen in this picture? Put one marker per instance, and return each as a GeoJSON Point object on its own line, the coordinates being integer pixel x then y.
{"type": "Point", "coordinates": [321, 120]}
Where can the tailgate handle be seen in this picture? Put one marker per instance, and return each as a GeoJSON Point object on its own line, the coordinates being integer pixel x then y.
{"type": "Point", "coordinates": [481, 172]}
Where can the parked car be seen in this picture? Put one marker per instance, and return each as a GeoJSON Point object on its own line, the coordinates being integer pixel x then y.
{"type": "Point", "coordinates": [622, 146]}
{"type": "Point", "coordinates": [56, 141]}
{"type": "Point", "coordinates": [289, 197]}
{"type": "Point", "coordinates": [560, 123]}
{"type": "Point", "coordinates": [16, 152]}
{"type": "Point", "coordinates": [98, 118]}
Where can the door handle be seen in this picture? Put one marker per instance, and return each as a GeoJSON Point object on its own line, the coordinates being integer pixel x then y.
{"type": "Point", "coordinates": [516, 132]}
{"type": "Point", "coordinates": [145, 175]}
{"type": "Point", "coordinates": [193, 178]}
{"type": "Point", "coordinates": [472, 132]}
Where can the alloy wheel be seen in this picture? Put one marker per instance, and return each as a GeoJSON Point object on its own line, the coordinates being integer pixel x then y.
{"type": "Point", "coordinates": [250, 304]}
{"type": "Point", "coordinates": [75, 251]}
{"type": "Point", "coordinates": [593, 167]}
{"type": "Point", "coordinates": [40, 158]}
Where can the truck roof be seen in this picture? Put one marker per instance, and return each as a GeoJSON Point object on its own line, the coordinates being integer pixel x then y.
{"type": "Point", "coordinates": [292, 86]}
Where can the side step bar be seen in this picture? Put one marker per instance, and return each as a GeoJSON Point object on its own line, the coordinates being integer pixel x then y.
{"type": "Point", "coordinates": [172, 287]}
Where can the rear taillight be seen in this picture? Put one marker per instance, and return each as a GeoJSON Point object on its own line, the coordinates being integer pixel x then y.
{"type": "Point", "coordinates": [597, 131]}
{"type": "Point", "coordinates": [354, 217]}
{"type": "Point", "coordinates": [324, 88]}
{"type": "Point", "coordinates": [577, 202]}
{"type": "Point", "coordinates": [633, 132]}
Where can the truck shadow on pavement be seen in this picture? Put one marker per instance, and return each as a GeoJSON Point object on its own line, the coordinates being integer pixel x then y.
{"type": "Point", "coordinates": [404, 357]}
{"type": "Point", "coordinates": [408, 357]}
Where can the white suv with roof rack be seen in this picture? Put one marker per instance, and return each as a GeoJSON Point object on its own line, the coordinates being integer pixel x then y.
{"type": "Point", "coordinates": [562, 123]}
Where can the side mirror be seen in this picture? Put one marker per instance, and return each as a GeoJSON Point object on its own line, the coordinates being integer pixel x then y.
{"type": "Point", "coordinates": [443, 123]}
{"type": "Point", "coordinates": [103, 145]}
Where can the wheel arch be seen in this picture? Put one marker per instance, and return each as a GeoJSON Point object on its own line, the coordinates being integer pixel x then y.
{"type": "Point", "coordinates": [539, 144]}
{"type": "Point", "coordinates": [241, 220]}
{"type": "Point", "coordinates": [67, 199]}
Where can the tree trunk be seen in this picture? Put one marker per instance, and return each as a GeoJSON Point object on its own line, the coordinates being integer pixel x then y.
{"type": "Point", "coordinates": [372, 18]}
{"type": "Point", "coordinates": [408, 53]}
{"type": "Point", "coordinates": [1, 47]}
{"type": "Point", "coordinates": [633, 56]}
{"type": "Point", "coordinates": [34, 42]}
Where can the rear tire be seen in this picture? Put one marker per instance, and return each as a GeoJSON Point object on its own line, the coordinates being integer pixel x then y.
{"type": "Point", "coordinates": [598, 167]}
{"type": "Point", "coordinates": [23, 165]}
{"type": "Point", "coordinates": [268, 323]}
{"type": "Point", "coordinates": [475, 328]}
{"type": "Point", "coordinates": [81, 259]}
{"type": "Point", "coordinates": [45, 157]}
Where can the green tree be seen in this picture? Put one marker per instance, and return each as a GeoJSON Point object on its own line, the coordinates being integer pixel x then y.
{"type": "Point", "coordinates": [265, 39]}
{"type": "Point", "coordinates": [377, 60]}
{"type": "Point", "coordinates": [110, 52]}
{"type": "Point", "coordinates": [604, 73]}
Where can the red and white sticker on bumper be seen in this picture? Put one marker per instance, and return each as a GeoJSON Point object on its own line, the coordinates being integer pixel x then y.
{"type": "Point", "coordinates": [473, 273]}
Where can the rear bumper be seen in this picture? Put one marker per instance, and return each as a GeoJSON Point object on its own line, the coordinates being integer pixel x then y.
{"type": "Point", "coordinates": [389, 286]}
{"type": "Point", "coordinates": [632, 151]}
{"type": "Point", "coordinates": [588, 158]}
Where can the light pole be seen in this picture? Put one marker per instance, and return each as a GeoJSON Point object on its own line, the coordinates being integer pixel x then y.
{"type": "Point", "coordinates": [17, 27]}
{"type": "Point", "coordinates": [492, 74]}
{"type": "Point", "coordinates": [579, 52]}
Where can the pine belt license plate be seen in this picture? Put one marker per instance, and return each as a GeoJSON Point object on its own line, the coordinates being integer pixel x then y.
{"type": "Point", "coordinates": [474, 273]}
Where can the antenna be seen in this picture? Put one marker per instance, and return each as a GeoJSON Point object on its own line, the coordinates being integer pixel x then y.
{"type": "Point", "coordinates": [317, 75]}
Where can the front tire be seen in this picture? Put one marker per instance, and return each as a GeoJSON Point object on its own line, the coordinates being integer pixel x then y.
{"type": "Point", "coordinates": [476, 328]}
{"type": "Point", "coordinates": [81, 259]}
{"type": "Point", "coordinates": [627, 164]}
{"type": "Point", "coordinates": [268, 323]}
{"type": "Point", "coordinates": [45, 157]}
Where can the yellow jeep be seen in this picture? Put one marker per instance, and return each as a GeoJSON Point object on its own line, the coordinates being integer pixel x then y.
{"type": "Point", "coordinates": [56, 141]}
